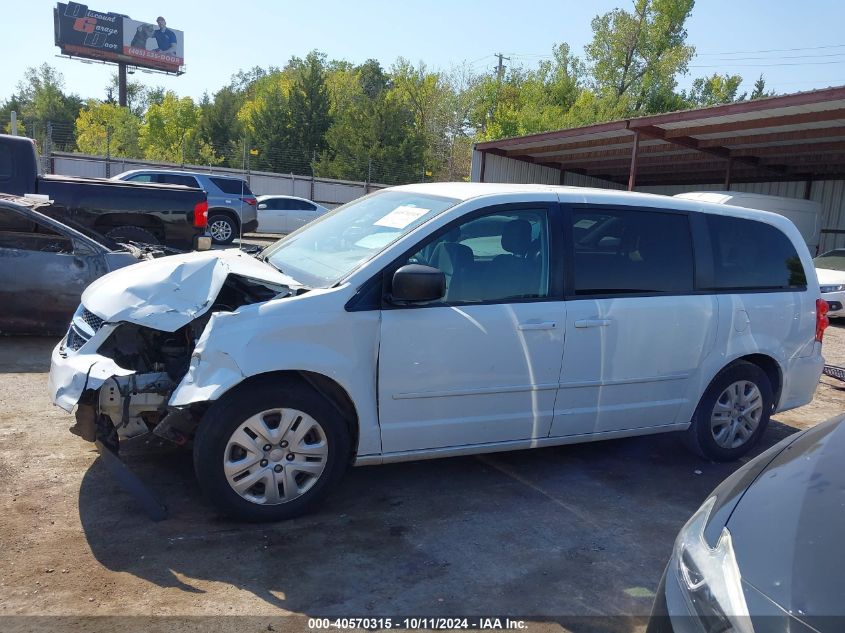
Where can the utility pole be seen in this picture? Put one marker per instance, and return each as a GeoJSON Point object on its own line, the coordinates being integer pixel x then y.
{"type": "Point", "coordinates": [313, 162]}
{"type": "Point", "coordinates": [14, 123]}
{"type": "Point", "coordinates": [108, 151]}
{"type": "Point", "coordinates": [500, 68]}
{"type": "Point", "coordinates": [121, 84]}
{"type": "Point", "coordinates": [48, 148]}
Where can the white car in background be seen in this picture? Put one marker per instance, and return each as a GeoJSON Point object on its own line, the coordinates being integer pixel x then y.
{"type": "Point", "coordinates": [830, 269]}
{"type": "Point", "coordinates": [286, 214]}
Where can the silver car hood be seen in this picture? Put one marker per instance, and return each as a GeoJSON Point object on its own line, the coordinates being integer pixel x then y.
{"type": "Point", "coordinates": [169, 292]}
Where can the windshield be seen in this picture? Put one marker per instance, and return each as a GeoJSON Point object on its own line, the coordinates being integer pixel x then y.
{"type": "Point", "coordinates": [831, 260]}
{"type": "Point", "coordinates": [325, 251]}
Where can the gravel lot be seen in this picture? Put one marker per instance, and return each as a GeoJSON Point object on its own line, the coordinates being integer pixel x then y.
{"type": "Point", "coordinates": [581, 530]}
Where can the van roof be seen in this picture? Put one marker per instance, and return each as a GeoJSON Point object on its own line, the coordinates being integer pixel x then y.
{"type": "Point", "coordinates": [765, 201]}
{"type": "Point", "coordinates": [469, 190]}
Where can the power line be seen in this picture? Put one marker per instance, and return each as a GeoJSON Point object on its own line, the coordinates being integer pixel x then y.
{"type": "Point", "coordinates": [726, 64]}
{"type": "Point", "coordinates": [737, 59]}
{"type": "Point", "coordinates": [776, 50]}
{"type": "Point", "coordinates": [475, 61]}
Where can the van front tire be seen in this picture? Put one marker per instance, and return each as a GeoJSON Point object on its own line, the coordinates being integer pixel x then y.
{"type": "Point", "coordinates": [732, 414]}
{"type": "Point", "coordinates": [270, 451]}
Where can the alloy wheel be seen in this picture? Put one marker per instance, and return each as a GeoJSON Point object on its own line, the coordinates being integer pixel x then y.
{"type": "Point", "coordinates": [220, 230]}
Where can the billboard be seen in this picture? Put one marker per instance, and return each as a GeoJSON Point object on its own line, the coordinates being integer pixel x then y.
{"type": "Point", "coordinates": [83, 32]}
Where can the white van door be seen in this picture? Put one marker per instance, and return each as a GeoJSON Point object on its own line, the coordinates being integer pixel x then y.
{"type": "Point", "coordinates": [483, 364]}
{"type": "Point", "coordinates": [636, 333]}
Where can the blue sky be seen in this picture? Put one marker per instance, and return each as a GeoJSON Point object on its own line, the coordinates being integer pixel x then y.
{"type": "Point", "coordinates": [222, 37]}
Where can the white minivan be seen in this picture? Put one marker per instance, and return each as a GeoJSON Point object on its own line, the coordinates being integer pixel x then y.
{"type": "Point", "coordinates": [449, 319]}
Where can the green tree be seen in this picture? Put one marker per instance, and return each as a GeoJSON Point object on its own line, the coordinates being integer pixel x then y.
{"type": "Point", "coordinates": [427, 95]}
{"type": "Point", "coordinates": [155, 96]}
{"type": "Point", "coordinates": [170, 133]}
{"type": "Point", "coordinates": [43, 101]}
{"type": "Point", "coordinates": [759, 91]}
{"type": "Point", "coordinates": [12, 104]}
{"type": "Point", "coordinates": [266, 117]}
{"type": "Point", "coordinates": [635, 56]}
{"type": "Point", "coordinates": [136, 95]}
{"type": "Point", "coordinates": [526, 101]}
{"type": "Point", "coordinates": [219, 125]}
{"type": "Point", "coordinates": [715, 90]}
{"type": "Point", "coordinates": [373, 132]}
{"type": "Point", "coordinates": [309, 106]}
{"type": "Point", "coordinates": [105, 128]}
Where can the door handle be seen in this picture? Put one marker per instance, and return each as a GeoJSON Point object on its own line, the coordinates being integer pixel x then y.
{"type": "Point", "coordinates": [538, 325]}
{"type": "Point", "coordinates": [593, 322]}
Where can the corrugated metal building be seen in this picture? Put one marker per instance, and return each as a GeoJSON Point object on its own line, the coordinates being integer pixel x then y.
{"type": "Point", "coordinates": [791, 145]}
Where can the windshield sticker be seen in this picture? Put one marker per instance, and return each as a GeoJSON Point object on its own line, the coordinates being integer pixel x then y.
{"type": "Point", "coordinates": [401, 217]}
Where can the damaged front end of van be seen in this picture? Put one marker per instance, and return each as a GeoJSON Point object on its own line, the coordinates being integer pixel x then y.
{"type": "Point", "coordinates": [127, 364]}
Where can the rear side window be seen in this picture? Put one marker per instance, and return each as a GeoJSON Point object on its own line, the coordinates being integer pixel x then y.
{"type": "Point", "coordinates": [752, 255]}
{"type": "Point", "coordinates": [141, 178]}
{"type": "Point", "coordinates": [232, 186]}
{"type": "Point", "coordinates": [177, 179]}
{"type": "Point", "coordinates": [631, 251]}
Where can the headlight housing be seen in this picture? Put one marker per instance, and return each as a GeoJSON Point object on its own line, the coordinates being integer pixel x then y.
{"type": "Point", "coordinates": [826, 289]}
{"type": "Point", "coordinates": [709, 576]}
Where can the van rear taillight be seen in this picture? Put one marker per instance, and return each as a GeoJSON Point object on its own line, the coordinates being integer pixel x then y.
{"type": "Point", "coordinates": [201, 214]}
{"type": "Point", "coordinates": [251, 201]}
{"type": "Point", "coordinates": [821, 318]}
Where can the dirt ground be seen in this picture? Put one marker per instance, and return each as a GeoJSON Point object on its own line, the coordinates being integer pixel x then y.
{"type": "Point", "coordinates": [581, 530]}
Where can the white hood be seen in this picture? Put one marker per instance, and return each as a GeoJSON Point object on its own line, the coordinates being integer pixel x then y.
{"type": "Point", "coordinates": [828, 277]}
{"type": "Point", "coordinates": [169, 292]}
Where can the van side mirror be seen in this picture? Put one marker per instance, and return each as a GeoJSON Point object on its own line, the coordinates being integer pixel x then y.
{"type": "Point", "coordinates": [262, 206]}
{"type": "Point", "coordinates": [417, 283]}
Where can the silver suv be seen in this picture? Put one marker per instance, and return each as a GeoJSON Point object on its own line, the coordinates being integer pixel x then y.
{"type": "Point", "coordinates": [231, 204]}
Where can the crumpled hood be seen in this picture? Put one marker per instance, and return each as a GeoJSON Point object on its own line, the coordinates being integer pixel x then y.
{"type": "Point", "coordinates": [170, 292]}
{"type": "Point", "coordinates": [788, 529]}
{"type": "Point", "coordinates": [829, 277]}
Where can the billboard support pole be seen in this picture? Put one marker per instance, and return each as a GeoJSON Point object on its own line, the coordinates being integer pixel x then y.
{"type": "Point", "coordinates": [121, 84]}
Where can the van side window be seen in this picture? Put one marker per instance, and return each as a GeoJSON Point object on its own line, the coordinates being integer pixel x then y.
{"type": "Point", "coordinates": [631, 251]}
{"type": "Point", "coordinates": [752, 255]}
{"type": "Point", "coordinates": [502, 256]}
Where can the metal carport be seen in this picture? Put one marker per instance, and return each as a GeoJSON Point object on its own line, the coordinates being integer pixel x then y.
{"type": "Point", "coordinates": [791, 145]}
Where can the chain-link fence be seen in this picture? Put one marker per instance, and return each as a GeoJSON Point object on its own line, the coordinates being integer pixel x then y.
{"type": "Point", "coordinates": [243, 154]}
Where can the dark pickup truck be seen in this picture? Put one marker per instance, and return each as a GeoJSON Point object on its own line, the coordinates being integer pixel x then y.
{"type": "Point", "coordinates": [124, 211]}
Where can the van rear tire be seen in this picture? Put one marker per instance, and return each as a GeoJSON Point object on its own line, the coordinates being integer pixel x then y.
{"type": "Point", "coordinates": [732, 414]}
